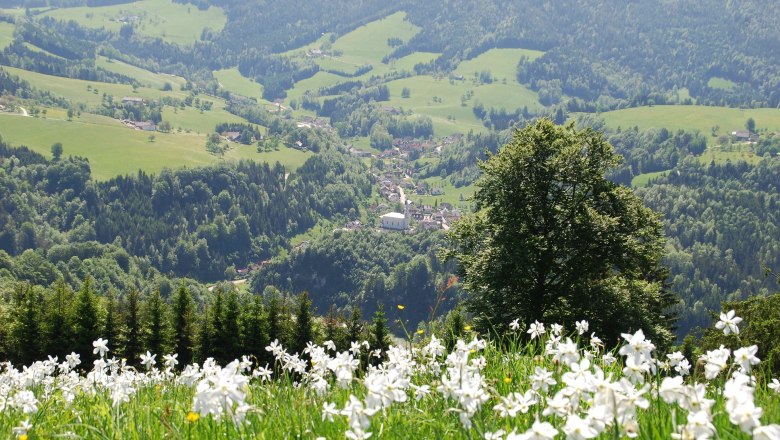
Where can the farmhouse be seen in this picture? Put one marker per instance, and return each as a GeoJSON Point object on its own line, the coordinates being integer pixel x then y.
{"type": "Point", "coordinates": [395, 221]}
{"type": "Point", "coordinates": [133, 100]}
{"type": "Point", "coordinates": [744, 136]}
{"type": "Point", "coordinates": [141, 125]}
{"type": "Point", "coordinates": [232, 136]}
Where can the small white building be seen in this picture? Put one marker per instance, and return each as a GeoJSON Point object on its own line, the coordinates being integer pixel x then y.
{"type": "Point", "coordinates": [395, 221]}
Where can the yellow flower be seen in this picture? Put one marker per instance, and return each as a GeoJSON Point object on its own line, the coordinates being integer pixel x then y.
{"type": "Point", "coordinates": [401, 307]}
{"type": "Point", "coordinates": [23, 437]}
{"type": "Point", "coordinates": [421, 331]}
{"type": "Point", "coordinates": [192, 417]}
{"type": "Point", "coordinates": [467, 328]}
{"type": "Point", "coordinates": [507, 380]}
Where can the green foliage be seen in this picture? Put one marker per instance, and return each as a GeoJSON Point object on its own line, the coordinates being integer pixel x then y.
{"type": "Point", "coordinates": [183, 325]}
{"type": "Point", "coordinates": [552, 240]}
{"type": "Point", "coordinates": [303, 332]}
{"type": "Point", "coordinates": [157, 328]}
{"type": "Point", "coordinates": [87, 319]}
{"type": "Point", "coordinates": [131, 338]}
{"type": "Point", "coordinates": [760, 326]}
{"type": "Point", "coordinates": [380, 336]}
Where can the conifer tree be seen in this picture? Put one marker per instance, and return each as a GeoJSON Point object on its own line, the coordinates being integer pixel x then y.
{"type": "Point", "coordinates": [274, 319]}
{"type": "Point", "coordinates": [254, 335]}
{"type": "Point", "coordinates": [380, 335]}
{"type": "Point", "coordinates": [27, 331]}
{"type": "Point", "coordinates": [183, 316]}
{"type": "Point", "coordinates": [132, 331]}
{"type": "Point", "coordinates": [86, 325]}
{"type": "Point", "coordinates": [204, 348]}
{"type": "Point", "coordinates": [304, 332]}
{"type": "Point", "coordinates": [58, 321]}
{"type": "Point", "coordinates": [156, 325]}
{"type": "Point", "coordinates": [230, 339]}
{"type": "Point", "coordinates": [355, 325]}
{"type": "Point", "coordinates": [111, 326]}
{"type": "Point", "coordinates": [212, 345]}
{"type": "Point", "coordinates": [333, 329]}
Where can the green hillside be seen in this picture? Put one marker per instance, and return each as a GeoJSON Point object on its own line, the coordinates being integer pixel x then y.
{"type": "Point", "coordinates": [173, 22]}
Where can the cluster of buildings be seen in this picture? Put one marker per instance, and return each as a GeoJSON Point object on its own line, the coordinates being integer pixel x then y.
{"type": "Point", "coordinates": [418, 218]}
{"type": "Point", "coordinates": [140, 125]}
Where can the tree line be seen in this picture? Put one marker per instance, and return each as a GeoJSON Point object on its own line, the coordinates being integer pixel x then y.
{"type": "Point", "coordinates": [56, 321]}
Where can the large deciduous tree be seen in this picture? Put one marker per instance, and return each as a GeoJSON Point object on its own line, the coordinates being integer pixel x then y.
{"type": "Point", "coordinates": [553, 240]}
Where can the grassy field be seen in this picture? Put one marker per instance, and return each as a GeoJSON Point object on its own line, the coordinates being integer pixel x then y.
{"type": "Point", "coordinates": [478, 389]}
{"type": "Point", "coordinates": [720, 83]}
{"type": "Point", "coordinates": [407, 63]}
{"type": "Point", "coordinates": [6, 34]}
{"type": "Point", "coordinates": [368, 44]}
{"type": "Point", "coordinates": [113, 149]}
{"type": "Point", "coordinates": [319, 80]}
{"type": "Point", "coordinates": [451, 194]}
{"type": "Point", "coordinates": [173, 22]}
{"type": "Point", "coordinates": [77, 91]}
{"type": "Point", "coordinates": [643, 179]}
{"type": "Point", "coordinates": [143, 76]}
{"type": "Point", "coordinates": [693, 117]}
{"type": "Point", "coordinates": [193, 119]}
{"type": "Point", "coordinates": [232, 81]}
{"type": "Point", "coordinates": [502, 63]}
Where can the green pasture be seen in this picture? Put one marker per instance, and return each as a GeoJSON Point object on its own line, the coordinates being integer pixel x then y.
{"type": "Point", "coordinates": [643, 179]}
{"type": "Point", "coordinates": [195, 120]}
{"type": "Point", "coordinates": [451, 193]}
{"type": "Point", "coordinates": [232, 81]}
{"type": "Point", "coordinates": [173, 22]}
{"type": "Point", "coordinates": [441, 99]}
{"type": "Point", "coordinates": [6, 34]}
{"type": "Point", "coordinates": [89, 93]}
{"type": "Point", "coordinates": [693, 117]}
{"type": "Point", "coordinates": [35, 48]}
{"type": "Point", "coordinates": [313, 84]}
{"type": "Point", "coordinates": [114, 149]}
{"type": "Point", "coordinates": [407, 63]}
{"type": "Point", "coordinates": [143, 76]}
{"type": "Point", "coordinates": [720, 83]}
{"type": "Point", "coordinates": [502, 64]}
{"type": "Point", "coordinates": [368, 43]}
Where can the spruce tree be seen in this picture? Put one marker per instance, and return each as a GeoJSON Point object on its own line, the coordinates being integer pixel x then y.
{"type": "Point", "coordinates": [254, 335]}
{"type": "Point", "coordinates": [58, 325]}
{"type": "Point", "coordinates": [132, 330]}
{"type": "Point", "coordinates": [333, 329]}
{"type": "Point", "coordinates": [156, 325]}
{"type": "Point", "coordinates": [183, 326]}
{"type": "Point", "coordinates": [111, 326]}
{"type": "Point", "coordinates": [304, 332]}
{"type": "Point", "coordinates": [230, 339]}
{"type": "Point", "coordinates": [213, 346]}
{"type": "Point", "coordinates": [86, 322]}
{"type": "Point", "coordinates": [380, 336]}
{"type": "Point", "coordinates": [27, 331]}
{"type": "Point", "coordinates": [355, 326]}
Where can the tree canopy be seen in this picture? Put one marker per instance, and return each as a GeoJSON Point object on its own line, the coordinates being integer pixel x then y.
{"type": "Point", "coordinates": [553, 240]}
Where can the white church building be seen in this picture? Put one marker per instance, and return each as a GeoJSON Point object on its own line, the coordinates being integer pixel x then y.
{"type": "Point", "coordinates": [395, 221]}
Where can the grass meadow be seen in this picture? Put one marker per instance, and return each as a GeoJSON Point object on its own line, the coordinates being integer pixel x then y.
{"type": "Point", "coordinates": [6, 34]}
{"type": "Point", "coordinates": [173, 22]}
{"type": "Point", "coordinates": [557, 386]}
{"type": "Point", "coordinates": [693, 117]}
{"type": "Point", "coordinates": [89, 93]}
{"type": "Point", "coordinates": [232, 81]}
{"type": "Point", "coordinates": [113, 149]}
{"type": "Point", "coordinates": [143, 76]}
